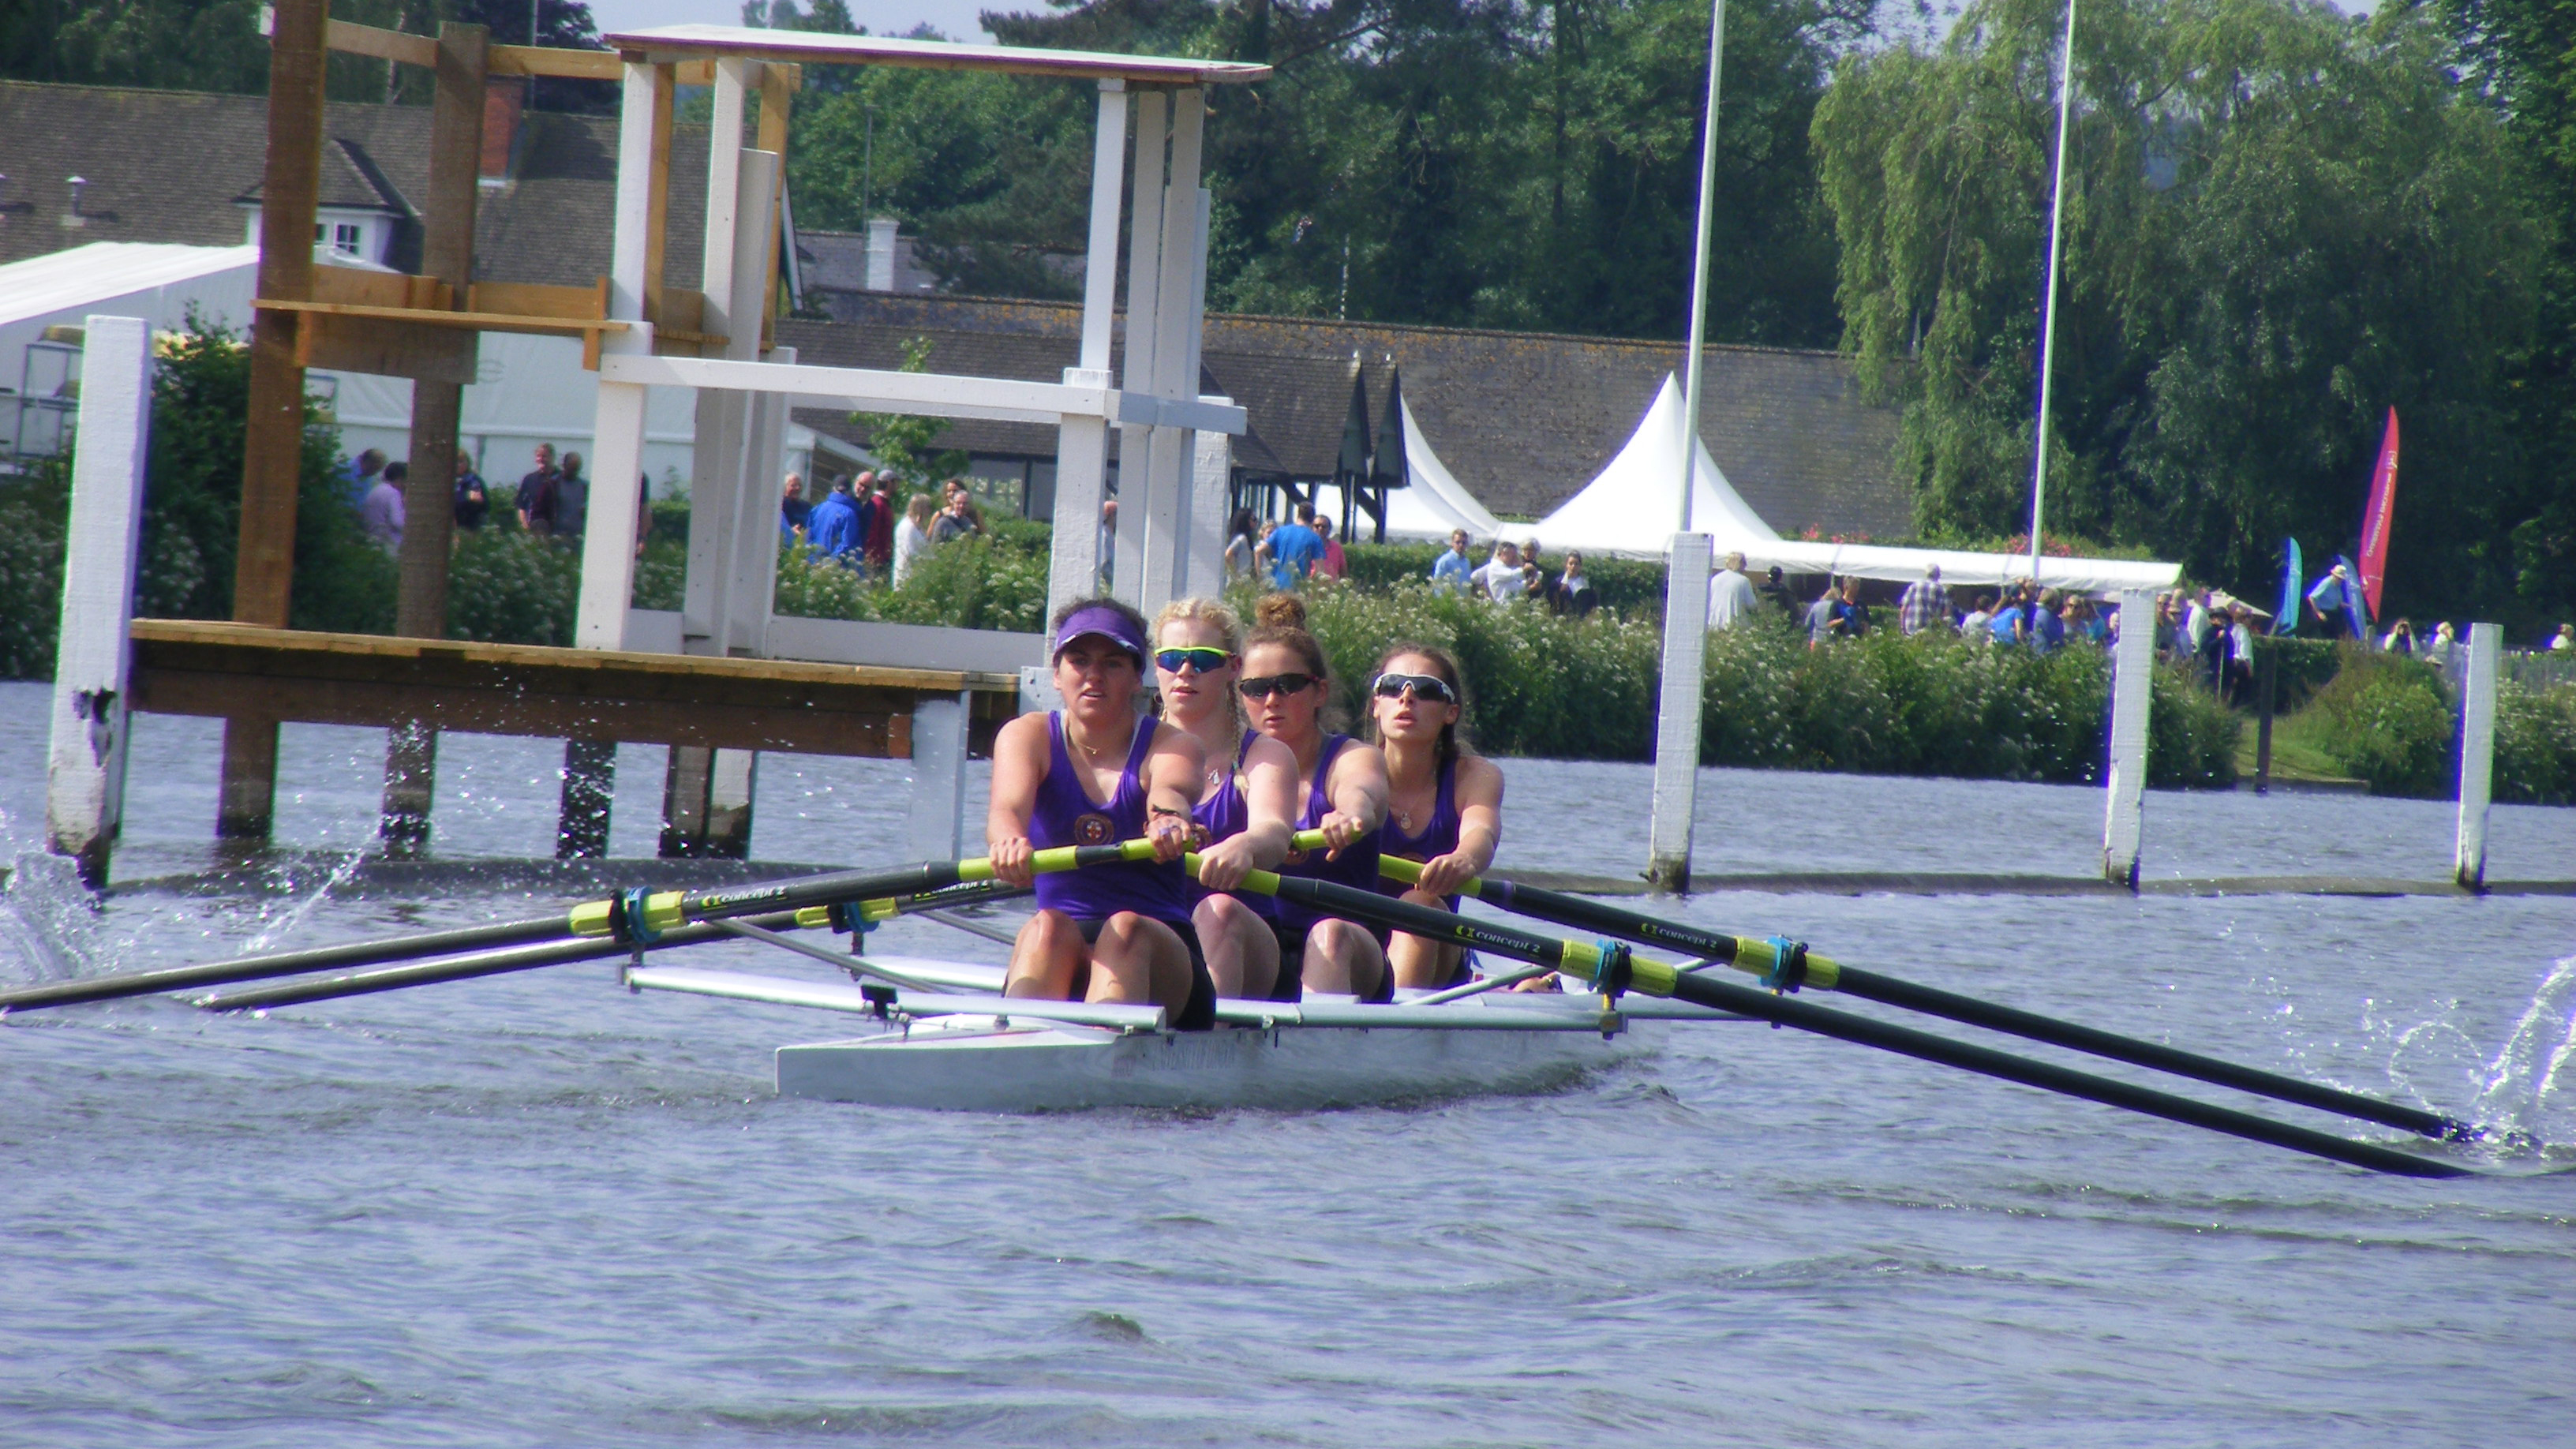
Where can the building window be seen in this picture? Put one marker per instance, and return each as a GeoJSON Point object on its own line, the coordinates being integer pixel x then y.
{"type": "Point", "coordinates": [345, 238]}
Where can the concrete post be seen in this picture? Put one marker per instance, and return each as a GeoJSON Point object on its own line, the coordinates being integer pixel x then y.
{"type": "Point", "coordinates": [2132, 693]}
{"type": "Point", "coordinates": [1073, 567]}
{"type": "Point", "coordinates": [1144, 334]}
{"type": "Point", "coordinates": [2477, 753]}
{"type": "Point", "coordinates": [85, 763]}
{"type": "Point", "coordinates": [938, 777]}
{"type": "Point", "coordinates": [1677, 717]}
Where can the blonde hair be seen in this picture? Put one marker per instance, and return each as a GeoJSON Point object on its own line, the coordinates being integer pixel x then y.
{"type": "Point", "coordinates": [919, 511]}
{"type": "Point", "coordinates": [1229, 627]}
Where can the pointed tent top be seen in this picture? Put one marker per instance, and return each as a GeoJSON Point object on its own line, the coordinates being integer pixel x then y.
{"type": "Point", "coordinates": [1354, 460]}
{"type": "Point", "coordinates": [1643, 482]}
{"type": "Point", "coordinates": [1387, 465]}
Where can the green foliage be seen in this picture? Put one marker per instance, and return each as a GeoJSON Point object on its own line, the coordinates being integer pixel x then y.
{"type": "Point", "coordinates": [2386, 719]}
{"type": "Point", "coordinates": [2279, 223]}
{"type": "Point", "coordinates": [32, 511]}
{"type": "Point", "coordinates": [901, 442]}
{"type": "Point", "coordinates": [2535, 757]}
{"type": "Point", "coordinates": [998, 581]}
{"type": "Point", "coordinates": [2306, 666]}
{"type": "Point", "coordinates": [509, 587]}
{"type": "Point", "coordinates": [199, 45]}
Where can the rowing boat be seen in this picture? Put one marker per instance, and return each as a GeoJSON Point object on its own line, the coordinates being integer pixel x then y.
{"type": "Point", "coordinates": [946, 1042]}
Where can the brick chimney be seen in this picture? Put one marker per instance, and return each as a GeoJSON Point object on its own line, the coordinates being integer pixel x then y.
{"type": "Point", "coordinates": [503, 96]}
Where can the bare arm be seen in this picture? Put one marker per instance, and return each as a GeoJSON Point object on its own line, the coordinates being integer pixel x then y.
{"type": "Point", "coordinates": [1019, 764]}
{"type": "Point", "coordinates": [1270, 807]}
{"type": "Point", "coordinates": [1357, 787]}
{"type": "Point", "coordinates": [1175, 772]}
{"type": "Point", "coordinates": [1480, 828]}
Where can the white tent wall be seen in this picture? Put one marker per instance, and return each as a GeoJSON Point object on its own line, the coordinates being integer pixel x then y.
{"type": "Point", "coordinates": [530, 390]}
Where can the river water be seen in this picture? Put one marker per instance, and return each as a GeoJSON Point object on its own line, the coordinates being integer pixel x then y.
{"type": "Point", "coordinates": [537, 1210]}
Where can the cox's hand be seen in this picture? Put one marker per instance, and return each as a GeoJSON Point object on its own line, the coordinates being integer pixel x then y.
{"type": "Point", "coordinates": [1170, 834]}
{"type": "Point", "coordinates": [1550, 982]}
{"type": "Point", "coordinates": [1222, 866]}
{"type": "Point", "coordinates": [1340, 829]}
{"type": "Point", "coordinates": [1442, 875]}
{"type": "Point", "coordinates": [1013, 861]}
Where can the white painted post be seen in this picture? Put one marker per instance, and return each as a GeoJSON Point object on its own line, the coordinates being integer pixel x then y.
{"type": "Point", "coordinates": [2132, 695]}
{"type": "Point", "coordinates": [1677, 715]}
{"type": "Point", "coordinates": [752, 561]}
{"type": "Point", "coordinates": [617, 435]}
{"type": "Point", "coordinates": [1081, 461]}
{"type": "Point", "coordinates": [2477, 753]}
{"type": "Point", "coordinates": [85, 762]}
{"type": "Point", "coordinates": [1136, 373]}
{"type": "Point", "coordinates": [1173, 376]}
{"type": "Point", "coordinates": [1211, 473]}
{"type": "Point", "coordinates": [938, 776]}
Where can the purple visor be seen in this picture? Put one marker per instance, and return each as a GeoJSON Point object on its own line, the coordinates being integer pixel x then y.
{"type": "Point", "coordinates": [1109, 624]}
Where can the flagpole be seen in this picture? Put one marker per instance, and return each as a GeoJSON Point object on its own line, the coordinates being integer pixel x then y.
{"type": "Point", "coordinates": [2048, 315]}
{"type": "Point", "coordinates": [1686, 571]}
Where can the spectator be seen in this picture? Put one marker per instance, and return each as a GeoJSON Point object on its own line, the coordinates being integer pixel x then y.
{"type": "Point", "coordinates": [793, 510]}
{"type": "Point", "coordinates": [2332, 602]}
{"type": "Point", "coordinates": [1730, 594]}
{"type": "Point", "coordinates": [1855, 615]}
{"type": "Point", "coordinates": [1926, 604]}
{"type": "Point", "coordinates": [1536, 586]}
{"type": "Point", "coordinates": [1774, 590]}
{"type": "Point", "coordinates": [1974, 625]}
{"type": "Point", "coordinates": [2443, 647]}
{"type": "Point", "coordinates": [1574, 594]}
{"type": "Point", "coordinates": [912, 536]}
{"type": "Point", "coordinates": [1296, 547]}
{"type": "Point", "coordinates": [1265, 564]}
{"type": "Point", "coordinates": [1825, 616]}
{"type": "Point", "coordinates": [2086, 622]}
{"type": "Point", "coordinates": [2047, 626]}
{"type": "Point", "coordinates": [2009, 624]}
{"type": "Point", "coordinates": [1451, 573]}
{"type": "Point", "coordinates": [1500, 578]}
{"type": "Point", "coordinates": [536, 501]}
{"type": "Point", "coordinates": [1240, 536]}
{"type": "Point", "coordinates": [832, 529]}
{"type": "Point", "coordinates": [361, 474]}
{"type": "Point", "coordinates": [876, 546]}
{"type": "Point", "coordinates": [954, 521]}
{"type": "Point", "coordinates": [2240, 655]}
{"type": "Point", "coordinates": [863, 502]}
{"type": "Point", "coordinates": [380, 513]}
{"type": "Point", "coordinates": [2564, 639]}
{"type": "Point", "coordinates": [472, 503]}
{"type": "Point", "coordinates": [2208, 628]}
{"type": "Point", "coordinates": [2401, 639]}
{"type": "Point", "coordinates": [1334, 564]}
{"type": "Point", "coordinates": [572, 499]}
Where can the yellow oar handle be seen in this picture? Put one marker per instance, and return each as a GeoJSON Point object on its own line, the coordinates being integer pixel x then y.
{"type": "Point", "coordinates": [1396, 867]}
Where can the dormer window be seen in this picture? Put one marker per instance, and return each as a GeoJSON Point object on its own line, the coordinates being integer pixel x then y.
{"type": "Point", "coordinates": [346, 238]}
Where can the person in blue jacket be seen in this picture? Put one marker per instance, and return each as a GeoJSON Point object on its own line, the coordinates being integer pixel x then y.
{"type": "Point", "coordinates": [832, 529]}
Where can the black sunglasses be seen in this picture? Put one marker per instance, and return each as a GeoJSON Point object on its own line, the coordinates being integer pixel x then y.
{"type": "Point", "coordinates": [1204, 660]}
{"type": "Point", "coordinates": [1276, 684]}
{"type": "Point", "coordinates": [1424, 686]}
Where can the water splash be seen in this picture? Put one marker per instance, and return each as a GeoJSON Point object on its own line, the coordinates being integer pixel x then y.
{"type": "Point", "coordinates": [2528, 1085]}
{"type": "Point", "coordinates": [48, 920]}
{"type": "Point", "coordinates": [295, 914]}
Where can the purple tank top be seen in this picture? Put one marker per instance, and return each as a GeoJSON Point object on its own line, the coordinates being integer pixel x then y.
{"type": "Point", "coordinates": [1357, 866]}
{"type": "Point", "coordinates": [1067, 815]}
{"type": "Point", "coordinates": [1223, 813]}
{"type": "Point", "coordinates": [1439, 835]}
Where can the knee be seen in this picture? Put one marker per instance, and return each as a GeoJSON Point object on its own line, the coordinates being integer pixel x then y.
{"type": "Point", "coordinates": [1218, 915]}
{"type": "Point", "coordinates": [1417, 896]}
{"type": "Point", "coordinates": [1050, 930]}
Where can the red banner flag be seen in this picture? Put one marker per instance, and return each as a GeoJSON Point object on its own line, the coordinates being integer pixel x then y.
{"type": "Point", "coordinates": [2374, 521]}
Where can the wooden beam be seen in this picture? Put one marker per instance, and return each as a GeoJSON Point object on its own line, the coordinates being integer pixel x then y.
{"type": "Point", "coordinates": [778, 85]}
{"type": "Point", "coordinates": [529, 299]}
{"type": "Point", "coordinates": [399, 46]}
{"type": "Point", "coordinates": [431, 356]}
{"type": "Point", "coordinates": [657, 214]}
{"type": "Point", "coordinates": [447, 264]}
{"type": "Point", "coordinates": [431, 317]}
{"type": "Point", "coordinates": [273, 444]}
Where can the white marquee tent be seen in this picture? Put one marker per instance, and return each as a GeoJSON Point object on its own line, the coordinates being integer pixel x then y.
{"type": "Point", "coordinates": [1431, 503]}
{"type": "Point", "coordinates": [1633, 508]}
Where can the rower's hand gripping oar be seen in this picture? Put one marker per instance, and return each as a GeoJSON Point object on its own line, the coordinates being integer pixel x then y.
{"type": "Point", "coordinates": [1611, 968]}
{"type": "Point", "coordinates": [1784, 965]}
{"type": "Point", "coordinates": [633, 919]}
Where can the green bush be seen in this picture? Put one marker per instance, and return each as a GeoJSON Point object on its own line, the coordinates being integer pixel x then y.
{"type": "Point", "coordinates": [2306, 666]}
{"type": "Point", "coordinates": [32, 512]}
{"type": "Point", "coordinates": [509, 587]}
{"type": "Point", "coordinates": [2386, 719]}
{"type": "Point", "coordinates": [2535, 754]}
{"type": "Point", "coordinates": [1630, 586]}
{"type": "Point", "coordinates": [998, 581]}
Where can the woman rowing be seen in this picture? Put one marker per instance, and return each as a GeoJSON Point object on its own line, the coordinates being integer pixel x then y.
{"type": "Point", "coordinates": [1245, 806]}
{"type": "Point", "coordinates": [1285, 684]}
{"type": "Point", "coordinates": [1444, 806]}
{"type": "Point", "coordinates": [1096, 774]}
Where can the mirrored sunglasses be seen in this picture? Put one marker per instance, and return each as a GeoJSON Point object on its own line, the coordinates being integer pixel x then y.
{"type": "Point", "coordinates": [1424, 686]}
{"type": "Point", "coordinates": [1205, 661]}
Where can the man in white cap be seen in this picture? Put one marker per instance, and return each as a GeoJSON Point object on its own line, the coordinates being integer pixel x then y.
{"type": "Point", "coordinates": [2331, 601]}
{"type": "Point", "coordinates": [1731, 599]}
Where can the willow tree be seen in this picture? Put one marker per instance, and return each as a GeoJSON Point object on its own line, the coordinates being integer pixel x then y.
{"type": "Point", "coordinates": [2280, 222]}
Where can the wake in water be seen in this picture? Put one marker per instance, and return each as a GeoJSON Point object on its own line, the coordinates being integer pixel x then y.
{"type": "Point", "coordinates": [48, 921]}
{"type": "Point", "coordinates": [2525, 1088]}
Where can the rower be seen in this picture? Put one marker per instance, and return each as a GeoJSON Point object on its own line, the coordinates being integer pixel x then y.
{"type": "Point", "coordinates": [1095, 774]}
{"type": "Point", "coordinates": [1285, 685]}
{"type": "Point", "coordinates": [1245, 806]}
{"type": "Point", "coordinates": [1444, 806]}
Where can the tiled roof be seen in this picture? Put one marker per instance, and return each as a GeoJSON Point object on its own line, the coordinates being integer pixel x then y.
{"type": "Point", "coordinates": [174, 166]}
{"type": "Point", "coordinates": [1522, 419]}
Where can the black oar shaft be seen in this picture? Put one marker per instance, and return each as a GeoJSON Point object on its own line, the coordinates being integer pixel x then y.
{"type": "Point", "coordinates": [1931, 1001]}
{"type": "Point", "coordinates": [466, 968]}
{"type": "Point", "coordinates": [284, 963]}
{"type": "Point", "coordinates": [1904, 1041]}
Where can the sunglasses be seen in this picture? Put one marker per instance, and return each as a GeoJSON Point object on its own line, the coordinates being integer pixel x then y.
{"type": "Point", "coordinates": [1424, 686]}
{"type": "Point", "coordinates": [1276, 684]}
{"type": "Point", "coordinates": [1205, 661]}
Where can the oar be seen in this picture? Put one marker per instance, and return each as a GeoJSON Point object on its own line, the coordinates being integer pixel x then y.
{"type": "Point", "coordinates": [556, 953]}
{"type": "Point", "coordinates": [1804, 968]}
{"type": "Point", "coordinates": [1611, 968]}
{"type": "Point", "coordinates": [636, 917]}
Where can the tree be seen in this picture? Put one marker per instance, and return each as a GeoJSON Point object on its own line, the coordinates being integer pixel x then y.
{"type": "Point", "coordinates": [2280, 223]}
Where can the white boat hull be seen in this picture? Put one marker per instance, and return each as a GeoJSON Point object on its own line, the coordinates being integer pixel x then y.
{"type": "Point", "coordinates": [975, 1065]}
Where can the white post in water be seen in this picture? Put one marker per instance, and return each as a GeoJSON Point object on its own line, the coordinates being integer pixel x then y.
{"type": "Point", "coordinates": [2477, 753]}
{"type": "Point", "coordinates": [2132, 694]}
{"type": "Point", "coordinates": [1677, 719]}
{"type": "Point", "coordinates": [1677, 716]}
{"type": "Point", "coordinates": [85, 766]}
{"type": "Point", "coordinates": [938, 776]}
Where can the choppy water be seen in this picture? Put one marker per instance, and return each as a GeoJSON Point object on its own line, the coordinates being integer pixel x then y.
{"type": "Point", "coordinates": [537, 1210]}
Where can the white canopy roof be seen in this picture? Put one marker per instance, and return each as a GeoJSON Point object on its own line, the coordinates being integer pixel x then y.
{"type": "Point", "coordinates": [1633, 508]}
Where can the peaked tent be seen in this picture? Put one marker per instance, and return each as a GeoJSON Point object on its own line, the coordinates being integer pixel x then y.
{"type": "Point", "coordinates": [1431, 502]}
{"type": "Point", "coordinates": [1633, 507]}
